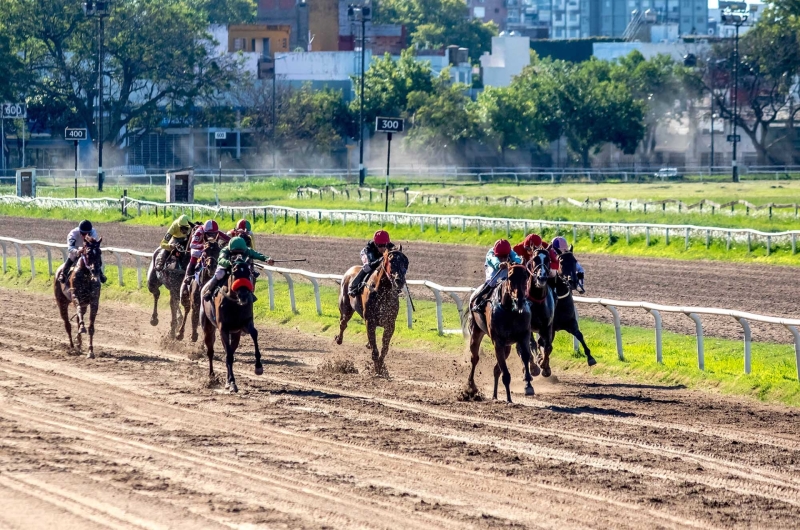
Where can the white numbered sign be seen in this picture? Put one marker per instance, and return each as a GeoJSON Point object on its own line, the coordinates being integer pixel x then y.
{"type": "Point", "coordinates": [14, 110]}
{"type": "Point", "coordinates": [389, 125]}
{"type": "Point", "coordinates": [220, 135]}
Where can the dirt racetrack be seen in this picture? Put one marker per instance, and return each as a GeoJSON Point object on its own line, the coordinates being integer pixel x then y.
{"type": "Point", "coordinates": [137, 438]}
{"type": "Point", "coordinates": [761, 289]}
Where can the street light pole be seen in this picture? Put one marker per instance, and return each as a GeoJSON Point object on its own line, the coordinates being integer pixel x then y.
{"type": "Point", "coordinates": [736, 19]}
{"type": "Point", "coordinates": [361, 13]}
{"type": "Point", "coordinates": [274, 80]}
{"type": "Point", "coordinates": [99, 9]}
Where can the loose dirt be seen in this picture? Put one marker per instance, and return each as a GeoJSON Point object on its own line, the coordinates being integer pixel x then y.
{"type": "Point", "coordinates": [761, 289]}
{"type": "Point", "coordinates": [137, 438]}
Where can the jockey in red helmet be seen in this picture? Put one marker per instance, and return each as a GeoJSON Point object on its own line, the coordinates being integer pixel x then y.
{"type": "Point", "coordinates": [371, 255]}
{"type": "Point", "coordinates": [498, 259]}
{"type": "Point", "coordinates": [244, 230]}
{"type": "Point", "coordinates": [207, 231]}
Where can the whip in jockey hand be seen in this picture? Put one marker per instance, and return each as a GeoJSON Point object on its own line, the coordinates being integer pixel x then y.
{"type": "Point", "coordinates": [371, 256]}
{"type": "Point", "coordinates": [244, 230]}
{"type": "Point", "coordinates": [498, 259]}
{"type": "Point", "coordinates": [208, 231]}
{"type": "Point", "coordinates": [177, 234]}
{"type": "Point", "coordinates": [236, 250]}
{"type": "Point", "coordinates": [75, 239]}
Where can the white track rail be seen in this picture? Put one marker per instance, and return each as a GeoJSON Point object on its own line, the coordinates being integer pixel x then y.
{"type": "Point", "coordinates": [454, 293]}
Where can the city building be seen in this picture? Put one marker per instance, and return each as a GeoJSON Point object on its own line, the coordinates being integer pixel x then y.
{"type": "Point", "coordinates": [510, 54]}
{"type": "Point", "coordinates": [323, 24]}
{"type": "Point", "coordinates": [292, 13]}
{"type": "Point", "coordinates": [257, 43]}
{"type": "Point", "coordinates": [491, 10]}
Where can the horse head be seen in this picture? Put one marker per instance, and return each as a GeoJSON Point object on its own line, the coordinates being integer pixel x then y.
{"type": "Point", "coordinates": [396, 264]}
{"type": "Point", "coordinates": [240, 283]}
{"type": "Point", "coordinates": [92, 256]}
{"type": "Point", "coordinates": [514, 288]}
{"type": "Point", "coordinates": [211, 250]}
{"type": "Point", "coordinates": [539, 267]}
{"type": "Point", "coordinates": [569, 269]}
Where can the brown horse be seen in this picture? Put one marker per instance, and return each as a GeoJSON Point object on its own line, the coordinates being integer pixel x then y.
{"type": "Point", "coordinates": [208, 265]}
{"type": "Point", "coordinates": [83, 290]}
{"type": "Point", "coordinates": [542, 305]}
{"type": "Point", "coordinates": [170, 277]}
{"type": "Point", "coordinates": [507, 321]}
{"type": "Point", "coordinates": [378, 304]}
{"type": "Point", "coordinates": [231, 312]}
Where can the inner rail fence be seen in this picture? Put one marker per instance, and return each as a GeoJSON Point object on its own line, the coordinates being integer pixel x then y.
{"type": "Point", "coordinates": [156, 176]}
{"type": "Point", "coordinates": [454, 293]}
{"type": "Point", "coordinates": [667, 232]}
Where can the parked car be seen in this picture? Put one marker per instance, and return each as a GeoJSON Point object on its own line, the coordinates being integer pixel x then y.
{"type": "Point", "coordinates": [667, 173]}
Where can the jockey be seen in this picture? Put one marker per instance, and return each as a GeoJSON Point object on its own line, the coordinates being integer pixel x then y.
{"type": "Point", "coordinates": [498, 259]}
{"type": "Point", "coordinates": [370, 258]}
{"type": "Point", "coordinates": [205, 232]}
{"type": "Point", "coordinates": [525, 249]}
{"type": "Point", "coordinates": [75, 239]}
{"type": "Point", "coordinates": [236, 249]}
{"type": "Point", "coordinates": [244, 230]}
{"type": "Point", "coordinates": [560, 245]}
{"type": "Point", "coordinates": [178, 233]}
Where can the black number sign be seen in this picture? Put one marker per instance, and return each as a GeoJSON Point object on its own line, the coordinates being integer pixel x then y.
{"type": "Point", "coordinates": [389, 125]}
{"type": "Point", "coordinates": [75, 134]}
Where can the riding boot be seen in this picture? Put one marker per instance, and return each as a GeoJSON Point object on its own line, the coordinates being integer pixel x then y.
{"type": "Point", "coordinates": [480, 298]}
{"type": "Point", "coordinates": [208, 288]}
{"type": "Point", "coordinates": [62, 276]}
{"type": "Point", "coordinates": [160, 259]}
{"type": "Point", "coordinates": [356, 283]}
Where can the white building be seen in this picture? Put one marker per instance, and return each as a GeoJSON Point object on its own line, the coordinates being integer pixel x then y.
{"type": "Point", "coordinates": [510, 54]}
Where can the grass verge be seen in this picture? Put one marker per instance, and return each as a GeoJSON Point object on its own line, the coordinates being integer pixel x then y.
{"type": "Point", "coordinates": [773, 377]}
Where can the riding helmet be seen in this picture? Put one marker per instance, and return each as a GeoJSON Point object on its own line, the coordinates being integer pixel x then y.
{"type": "Point", "coordinates": [210, 226]}
{"type": "Point", "coordinates": [502, 248]}
{"type": "Point", "coordinates": [243, 224]}
{"type": "Point", "coordinates": [381, 238]}
{"type": "Point", "coordinates": [184, 220]}
{"type": "Point", "coordinates": [237, 244]}
{"type": "Point", "coordinates": [532, 241]}
{"type": "Point", "coordinates": [85, 227]}
{"type": "Point", "coordinates": [559, 244]}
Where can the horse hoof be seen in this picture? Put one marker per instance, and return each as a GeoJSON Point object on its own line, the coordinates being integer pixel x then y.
{"type": "Point", "coordinates": [529, 390]}
{"type": "Point", "coordinates": [234, 389]}
{"type": "Point", "coordinates": [338, 340]}
{"type": "Point", "coordinates": [154, 321]}
{"type": "Point", "coordinates": [194, 337]}
{"type": "Point", "coordinates": [179, 336]}
{"type": "Point", "coordinates": [259, 369]}
{"type": "Point", "coordinates": [546, 372]}
{"type": "Point", "coordinates": [535, 370]}
{"type": "Point", "coordinates": [82, 331]}
{"type": "Point", "coordinates": [590, 361]}
{"type": "Point", "coordinates": [90, 355]}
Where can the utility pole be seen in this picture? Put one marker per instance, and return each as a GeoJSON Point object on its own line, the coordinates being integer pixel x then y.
{"type": "Point", "coordinates": [99, 9]}
{"type": "Point", "coordinates": [361, 13]}
{"type": "Point", "coordinates": [737, 19]}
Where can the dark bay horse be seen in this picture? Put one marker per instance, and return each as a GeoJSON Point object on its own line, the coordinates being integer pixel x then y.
{"type": "Point", "coordinates": [507, 321]}
{"type": "Point", "coordinates": [83, 290]}
{"type": "Point", "coordinates": [170, 277]}
{"type": "Point", "coordinates": [231, 312]}
{"type": "Point", "coordinates": [378, 303]}
{"type": "Point", "coordinates": [566, 316]}
{"type": "Point", "coordinates": [207, 268]}
{"type": "Point", "coordinates": [542, 302]}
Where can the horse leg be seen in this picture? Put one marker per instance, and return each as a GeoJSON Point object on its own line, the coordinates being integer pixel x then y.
{"type": "Point", "coordinates": [174, 303]}
{"type": "Point", "coordinates": [63, 308]}
{"type": "Point", "coordinates": [345, 314]}
{"type": "Point", "coordinates": [524, 351]}
{"type": "Point", "coordinates": [209, 335]}
{"type": "Point", "coordinates": [501, 352]}
{"type": "Point", "coordinates": [254, 335]}
{"type": "Point", "coordinates": [371, 328]}
{"type": "Point", "coordinates": [196, 309]}
{"type": "Point", "coordinates": [534, 346]}
{"type": "Point", "coordinates": [388, 331]}
{"type": "Point", "coordinates": [547, 349]}
{"type": "Point", "coordinates": [476, 336]}
{"type": "Point", "coordinates": [184, 302]}
{"type": "Point", "coordinates": [227, 345]}
{"type": "Point", "coordinates": [154, 286]}
{"type": "Point", "coordinates": [578, 335]}
{"type": "Point", "coordinates": [93, 305]}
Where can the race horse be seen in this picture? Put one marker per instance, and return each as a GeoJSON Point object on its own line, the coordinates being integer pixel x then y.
{"type": "Point", "coordinates": [378, 304]}
{"type": "Point", "coordinates": [506, 319]}
{"type": "Point", "coordinates": [171, 277]}
{"type": "Point", "coordinates": [207, 267]}
{"type": "Point", "coordinates": [83, 290]}
{"type": "Point", "coordinates": [231, 312]}
{"type": "Point", "coordinates": [566, 316]}
{"type": "Point", "coordinates": [542, 307]}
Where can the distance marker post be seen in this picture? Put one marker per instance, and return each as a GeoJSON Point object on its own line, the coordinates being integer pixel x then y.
{"type": "Point", "coordinates": [388, 126]}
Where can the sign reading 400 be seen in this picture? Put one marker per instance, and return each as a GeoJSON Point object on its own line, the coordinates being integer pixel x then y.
{"type": "Point", "coordinates": [13, 110]}
{"type": "Point", "coordinates": [389, 125]}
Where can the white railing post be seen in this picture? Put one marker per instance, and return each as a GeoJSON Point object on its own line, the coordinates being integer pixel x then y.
{"type": "Point", "coordinates": [439, 320]}
{"type": "Point", "coordinates": [33, 266]}
{"type": "Point", "coordinates": [49, 261]}
{"type": "Point", "coordinates": [315, 283]}
{"type": "Point", "coordinates": [575, 343]}
{"type": "Point", "coordinates": [19, 257]}
{"type": "Point", "coordinates": [747, 344]}
{"type": "Point", "coordinates": [409, 313]}
{"type": "Point", "coordinates": [617, 330]}
{"type": "Point", "coordinates": [657, 318]}
{"type": "Point", "coordinates": [271, 285]}
{"type": "Point", "coordinates": [119, 267]}
{"type": "Point", "coordinates": [796, 336]}
{"type": "Point", "coordinates": [290, 282]}
{"type": "Point", "coordinates": [3, 244]}
{"type": "Point", "coordinates": [698, 325]}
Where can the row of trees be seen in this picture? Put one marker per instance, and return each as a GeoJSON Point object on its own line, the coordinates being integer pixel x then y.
{"type": "Point", "coordinates": [163, 71]}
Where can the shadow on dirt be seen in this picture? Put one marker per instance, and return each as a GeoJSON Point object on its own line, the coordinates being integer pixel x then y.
{"type": "Point", "coordinates": [637, 399]}
{"type": "Point", "coordinates": [590, 410]}
{"type": "Point", "coordinates": [635, 386]}
{"type": "Point", "coordinates": [308, 393]}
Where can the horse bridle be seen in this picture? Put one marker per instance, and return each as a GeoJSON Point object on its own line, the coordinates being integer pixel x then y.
{"type": "Point", "coordinates": [386, 270]}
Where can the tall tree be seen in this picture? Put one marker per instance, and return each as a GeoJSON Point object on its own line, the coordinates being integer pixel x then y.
{"type": "Point", "coordinates": [438, 23]}
{"type": "Point", "coordinates": [388, 83]}
{"type": "Point", "coordinates": [158, 57]}
{"type": "Point", "coordinates": [227, 11]}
